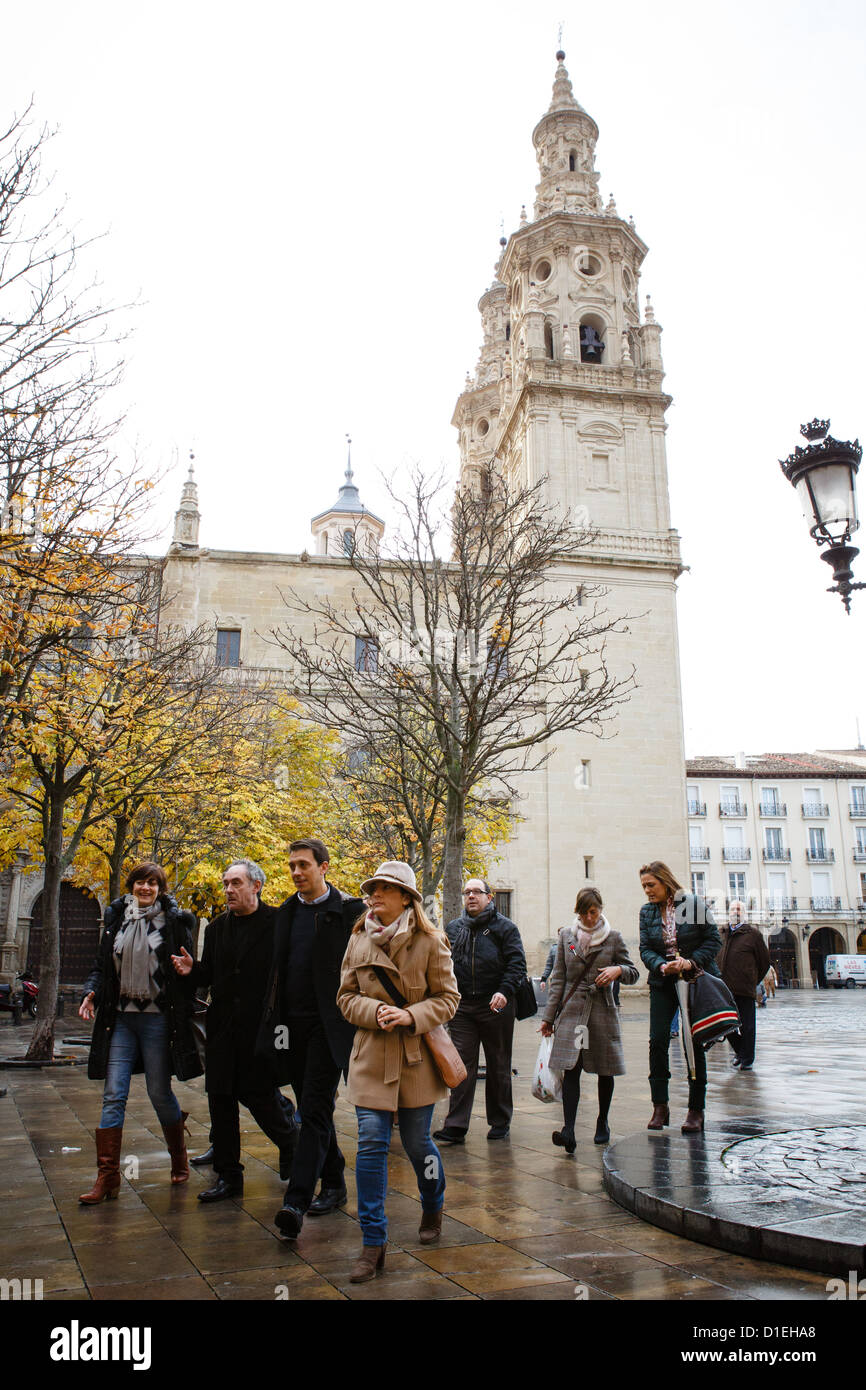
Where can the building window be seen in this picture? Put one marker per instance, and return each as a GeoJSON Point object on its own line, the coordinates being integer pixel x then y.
{"type": "Point", "coordinates": [502, 902]}
{"type": "Point", "coordinates": [572, 163]}
{"type": "Point", "coordinates": [770, 804]}
{"type": "Point", "coordinates": [773, 842]}
{"type": "Point", "coordinates": [587, 866]}
{"type": "Point", "coordinates": [699, 884]}
{"type": "Point", "coordinates": [858, 800]}
{"type": "Point", "coordinates": [367, 655]}
{"type": "Point", "coordinates": [228, 651]}
{"type": "Point", "coordinates": [348, 542]}
{"type": "Point", "coordinates": [737, 886]}
{"type": "Point", "coordinates": [548, 341]}
{"type": "Point", "coordinates": [601, 470]}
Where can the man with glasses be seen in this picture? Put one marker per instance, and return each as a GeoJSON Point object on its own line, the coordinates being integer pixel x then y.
{"type": "Point", "coordinates": [490, 965]}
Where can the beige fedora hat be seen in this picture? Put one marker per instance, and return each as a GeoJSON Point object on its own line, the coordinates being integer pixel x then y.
{"type": "Point", "coordinates": [396, 872]}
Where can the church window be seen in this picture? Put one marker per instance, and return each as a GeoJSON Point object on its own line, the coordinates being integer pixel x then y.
{"type": "Point", "coordinates": [348, 542]}
{"type": "Point", "coordinates": [508, 331]}
{"type": "Point", "coordinates": [325, 548]}
{"type": "Point", "coordinates": [548, 340]}
{"type": "Point", "coordinates": [481, 428]}
{"type": "Point", "coordinates": [572, 161]}
{"type": "Point", "coordinates": [228, 646]}
{"type": "Point", "coordinates": [543, 271]}
{"type": "Point", "coordinates": [591, 341]}
{"type": "Point", "coordinates": [587, 264]}
{"type": "Point", "coordinates": [366, 655]}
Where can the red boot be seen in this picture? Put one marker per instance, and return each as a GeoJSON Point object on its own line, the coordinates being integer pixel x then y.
{"type": "Point", "coordinates": [107, 1183]}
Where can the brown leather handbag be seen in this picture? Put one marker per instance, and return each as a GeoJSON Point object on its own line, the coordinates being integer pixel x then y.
{"type": "Point", "coordinates": [446, 1058]}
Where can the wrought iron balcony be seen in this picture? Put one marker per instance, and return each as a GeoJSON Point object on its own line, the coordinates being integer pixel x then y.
{"type": "Point", "coordinates": [736, 854]}
{"type": "Point", "coordinates": [697, 852]}
{"type": "Point", "coordinates": [857, 811]}
{"type": "Point", "coordinates": [860, 856]}
{"type": "Point", "coordinates": [777, 856]}
{"type": "Point", "coordinates": [815, 810]}
{"type": "Point", "coordinates": [697, 808]}
{"type": "Point", "coordinates": [820, 856]}
{"type": "Point", "coordinates": [768, 809]}
{"type": "Point", "coordinates": [733, 808]}
{"type": "Point", "coordinates": [825, 904]}
{"type": "Point", "coordinates": [779, 904]}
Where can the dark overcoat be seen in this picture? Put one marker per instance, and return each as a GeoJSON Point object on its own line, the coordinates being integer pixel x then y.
{"type": "Point", "coordinates": [334, 920]}
{"type": "Point", "coordinates": [176, 993]}
{"type": "Point", "coordinates": [235, 965]}
{"type": "Point", "coordinates": [744, 960]}
{"type": "Point", "coordinates": [697, 937]}
{"type": "Point", "coordinates": [589, 1005]}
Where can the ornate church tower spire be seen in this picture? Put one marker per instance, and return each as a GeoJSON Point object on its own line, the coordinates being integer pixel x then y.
{"type": "Point", "coordinates": [564, 141]}
{"type": "Point", "coordinates": [187, 517]}
{"type": "Point", "coordinates": [568, 385]}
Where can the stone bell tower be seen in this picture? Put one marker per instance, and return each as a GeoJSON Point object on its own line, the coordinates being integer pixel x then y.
{"type": "Point", "coordinates": [568, 385]}
{"type": "Point", "coordinates": [568, 394]}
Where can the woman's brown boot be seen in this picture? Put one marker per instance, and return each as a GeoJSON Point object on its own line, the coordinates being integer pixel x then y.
{"type": "Point", "coordinates": [370, 1263]}
{"type": "Point", "coordinates": [694, 1122]}
{"type": "Point", "coordinates": [661, 1116]}
{"type": "Point", "coordinates": [177, 1148]}
{"type": "Point", "coordinates": [431, 1227]}
{"type": "Point", "coordinates": [107, 1183]}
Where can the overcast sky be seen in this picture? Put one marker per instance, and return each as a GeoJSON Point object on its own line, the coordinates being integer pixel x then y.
{"type": "Point", "coordinates": [308, 204]}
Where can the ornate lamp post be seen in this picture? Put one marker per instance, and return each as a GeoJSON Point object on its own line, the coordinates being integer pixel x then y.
{"type": "Point", "coordinates": [823, 474]}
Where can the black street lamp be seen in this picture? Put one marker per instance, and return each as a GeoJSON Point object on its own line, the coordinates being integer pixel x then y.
{"type": "Point", "coordinates": [823, 474]}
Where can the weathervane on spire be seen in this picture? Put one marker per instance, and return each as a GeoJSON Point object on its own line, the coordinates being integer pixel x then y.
{"type": "Point", "coordinates": [349, 460]}
{"type": "Point", "coordinates": [560, 34]}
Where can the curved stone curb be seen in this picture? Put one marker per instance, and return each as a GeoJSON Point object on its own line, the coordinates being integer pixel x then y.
{"type": "Point", "coordinates": [696, 1186]}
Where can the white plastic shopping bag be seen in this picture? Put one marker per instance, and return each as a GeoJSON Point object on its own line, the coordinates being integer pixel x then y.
{"type": "Point", "coordinates": [546, 1084]}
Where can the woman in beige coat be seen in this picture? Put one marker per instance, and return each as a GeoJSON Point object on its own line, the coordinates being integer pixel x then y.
{"type": "Point", "coordinates": [395, 954]}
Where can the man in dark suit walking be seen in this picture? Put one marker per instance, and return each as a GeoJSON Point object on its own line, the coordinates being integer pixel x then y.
{"type": "Point", "coordinates": [744, 961]}
{"type": "Point", "coordinates": [303, 1023]}
{"type": "Point", "coordinates": [235, 966]}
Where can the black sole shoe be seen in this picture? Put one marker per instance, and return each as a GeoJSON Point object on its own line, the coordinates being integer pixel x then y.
{"type": "Point", "coordinates": [328, 1200]}
{"type": "Point", "coordinates": [602, 1134]}
{"type": "Point", "coordinates": [449, 1136]}
{"type": "Point", "coordinates": [558, 1137]}
{"type": "Point", "coordinates": [289, 1220]}
{"type": "Point", "coordinates": [222, 1192]}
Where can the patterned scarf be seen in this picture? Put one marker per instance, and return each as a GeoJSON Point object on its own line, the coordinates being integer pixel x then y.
{"type": "Point", "coordinates": [587, 941]}
{"type": "Point", "coordinates": [381, 934]}
{"type": "Point", "coordinates": [134, 947]}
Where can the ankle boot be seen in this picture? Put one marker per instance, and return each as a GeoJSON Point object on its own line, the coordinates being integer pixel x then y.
{"type": "Point", "coordinates": [602, 1131]}
{"type": "Point", "coordinates": [177, 1148]}
{"type": "Point", "coordinates": [107, 1184]}
{"type": "Point", "coordinates": [431, 1227]}
{"type": "Point", "coordinates": [370, 1263]}
{"type": "Point", "coordinates": [661, 1116]}
{"type": "Point", "coordinates": [694, 1123]}
{"type": "Point", "coordinates": [564, 1139]}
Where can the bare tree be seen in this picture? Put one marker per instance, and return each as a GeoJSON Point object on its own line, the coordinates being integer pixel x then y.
{"type": "Point", "coordinates": [459, 673]}
{"type": "Point", "coordinates": [67, 511]}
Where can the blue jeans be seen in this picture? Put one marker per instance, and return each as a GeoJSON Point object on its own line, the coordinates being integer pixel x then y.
{"type": "Point", "coordinates": [144, 1035]}
{"type": "Point", "coordinates": [371, 1167]}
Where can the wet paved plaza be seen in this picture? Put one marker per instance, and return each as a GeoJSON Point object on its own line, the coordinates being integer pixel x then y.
{"type": "Point", "coordinates": [523, 1220]}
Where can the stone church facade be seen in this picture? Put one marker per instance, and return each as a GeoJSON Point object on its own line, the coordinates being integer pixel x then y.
{"type": "Point", "coordinates": [568, 389]}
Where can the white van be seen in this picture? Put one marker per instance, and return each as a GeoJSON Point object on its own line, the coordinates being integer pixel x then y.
{"type": "Point", "coordinates": [846, 971]}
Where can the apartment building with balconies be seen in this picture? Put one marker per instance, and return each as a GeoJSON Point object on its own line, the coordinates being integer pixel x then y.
{"type": "Point", "coordinates": [786, 834]}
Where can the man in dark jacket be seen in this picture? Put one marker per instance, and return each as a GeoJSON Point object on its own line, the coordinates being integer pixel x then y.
{"type": "Point", "coordinates": [744, 961]}
{"type": "Point", "coordinates": [235, 966]}
{"type": "Point", "coordinates": [490, 965]}
{"type": "Point", "coordinates": [305, 1027]}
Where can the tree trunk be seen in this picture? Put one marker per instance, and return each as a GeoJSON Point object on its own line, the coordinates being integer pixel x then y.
{"type": "Point", "coordinates": [115, 859]}
{"type": "Point", "coordinates": [455, 844]}
{"type": "Point", "coordinates": [41, 1047]}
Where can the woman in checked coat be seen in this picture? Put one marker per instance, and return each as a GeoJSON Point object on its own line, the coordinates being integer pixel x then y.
{"type": "Point", "coordinates": [581, 1012]}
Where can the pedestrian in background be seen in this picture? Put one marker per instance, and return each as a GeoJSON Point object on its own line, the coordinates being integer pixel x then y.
{"type": "Point", "coordinates": [582, 1013]}
{"type": "Point", "coordinates": [743, 962]}
{"type": "Point", "coordinates": [489, 964]}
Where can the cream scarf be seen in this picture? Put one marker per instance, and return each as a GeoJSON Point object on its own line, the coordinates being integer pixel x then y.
{"type": "Point", "coordinates": [588, 941]}
{"type": "Point", "coordinates": [381, 934]}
